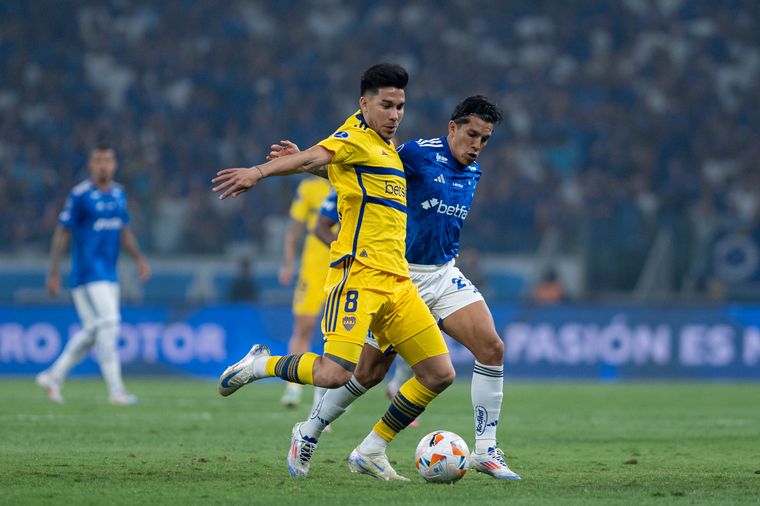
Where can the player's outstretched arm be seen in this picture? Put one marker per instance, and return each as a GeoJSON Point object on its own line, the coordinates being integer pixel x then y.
{"type": "Point", "coordinates": [61, 240]}
{"type": "Point", "coordinates": [233, 182]}
{"type": "Point", "coordinates": [129, 242]}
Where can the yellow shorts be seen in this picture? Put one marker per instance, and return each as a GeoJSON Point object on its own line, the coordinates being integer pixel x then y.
{"type": "Point", "coordinates": [362, 299]}
{"type": "Point", "coordinates": [309, 294]}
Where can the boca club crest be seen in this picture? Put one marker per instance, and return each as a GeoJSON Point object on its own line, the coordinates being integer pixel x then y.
{"type": "Point", "coordinates": [349, 322]}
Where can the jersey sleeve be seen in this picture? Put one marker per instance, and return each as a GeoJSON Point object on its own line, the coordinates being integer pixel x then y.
{"type": "Point", "coordinates": [70, 213]}
{"type": "Point", "coordinates": [299, 208]}
{"type": "Point", "coordinates": [329, 208]}
{"type": "Point", "coordinates": [125, 212]}
{"type": "Point", "coordinates": [124, 207]}
{"type": "Point", "coordinates": [409, 152]}
{"type": "Point", "coordinates": [346, 148]}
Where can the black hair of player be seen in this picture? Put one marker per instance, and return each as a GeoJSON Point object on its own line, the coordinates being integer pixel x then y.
{"type": "Point", "coordinates": [383, 75]}
{"type": "Point", "coordinates": [477, 105]}
{"type": "Point", "coordinates": [102, 143]}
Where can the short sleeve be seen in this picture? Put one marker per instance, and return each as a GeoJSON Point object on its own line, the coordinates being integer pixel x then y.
{"type": "Point", "coordinates": [346, 149]}
{"type": "Point", "coordinates": [68, 216]}
{"type": "Point", "coordinates": [409, 152]}
{"type": "Point", "coordinates": [125, 212]}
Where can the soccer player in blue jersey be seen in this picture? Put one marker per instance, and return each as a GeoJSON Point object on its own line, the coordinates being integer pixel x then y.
{"type": "Point", "coordinates": [96, 220]}
{"type": "Point", "coordinates": [442, 176]}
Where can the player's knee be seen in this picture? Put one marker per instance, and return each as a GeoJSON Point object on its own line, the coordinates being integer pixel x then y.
{"type": "Point", "coordinates": [331, 377]}
{"type": "Point", "coordinates": [368, 377]}
{"type": "Point", "coordinates": [439, 379]}
{"type": "Point", "coordinates": [490, 351]}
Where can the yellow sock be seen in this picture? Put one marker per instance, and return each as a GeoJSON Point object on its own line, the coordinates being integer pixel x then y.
{"type": "Point", "coordinates": [409, 403]}
{"type": "Point", "coordinates": [293, 368]}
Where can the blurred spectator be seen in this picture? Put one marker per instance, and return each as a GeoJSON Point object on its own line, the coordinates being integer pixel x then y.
{"type": "Point", "coordinates": [549, 289]}
{"type": "Point", "coordinates": [620, 115]}
{"type": "Point", "coordinates": [243, 287]}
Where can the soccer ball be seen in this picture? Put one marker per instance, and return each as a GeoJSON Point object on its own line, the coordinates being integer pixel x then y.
{"type": "Point", "coordinates": [442, 457]}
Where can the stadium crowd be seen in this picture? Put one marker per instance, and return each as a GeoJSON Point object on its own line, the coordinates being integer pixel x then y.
{"type": "Point", "coordinates": [623, 118]}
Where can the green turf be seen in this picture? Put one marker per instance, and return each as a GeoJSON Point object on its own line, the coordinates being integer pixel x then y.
{"type": "Point", "coordinates": [572, 443]}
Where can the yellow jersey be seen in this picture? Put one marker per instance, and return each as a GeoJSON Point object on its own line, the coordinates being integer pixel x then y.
{"type": "Point", "coordinates": [368, 177]}
{"type": "Point", "coordinates": [309, 196]}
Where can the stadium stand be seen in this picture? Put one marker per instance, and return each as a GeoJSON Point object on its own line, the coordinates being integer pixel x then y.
{"type": "Point", "coordinates": [627, 121]}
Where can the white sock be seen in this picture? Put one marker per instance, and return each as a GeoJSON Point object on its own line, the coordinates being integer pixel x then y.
{"type": "Point", "coordinates": [108, 357]}
{"type": "Point", "coordinates": [487, 391]}
{"type": "Point", "coordinates": [373, 444]}
{"type": "Point", "coordinates": [319, 392]}
{"type": "Point", "coordinates": [401, 375]}
{"type": "Point", "coordinates": [74, 352]}
{"type": "Point", "coordinates": [333, 404]}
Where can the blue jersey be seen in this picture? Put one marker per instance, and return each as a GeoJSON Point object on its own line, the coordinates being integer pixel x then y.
{"type": "Point", "coordinates": [329, 208]}
{"type": "Point", "coordinates": [95, 219]}
{"type": "Point", "coordinates": [439, 193]}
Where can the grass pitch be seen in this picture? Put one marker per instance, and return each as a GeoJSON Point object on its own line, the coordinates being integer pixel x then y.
{"type": "Point", "coordinates": [572, 444]}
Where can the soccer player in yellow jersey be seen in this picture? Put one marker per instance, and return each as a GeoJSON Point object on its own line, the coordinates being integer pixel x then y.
{"type": "Point", "coordinates": [309, 294]}
{"type": "Point", "coordinates": [368, 281]}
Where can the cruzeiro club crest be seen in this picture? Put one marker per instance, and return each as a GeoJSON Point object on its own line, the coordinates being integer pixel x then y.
{"type": "Point", "coordinates": [349, 322]}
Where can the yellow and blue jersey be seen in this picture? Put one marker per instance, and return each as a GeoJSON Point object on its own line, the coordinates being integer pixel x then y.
{"type": "Point", "coordinates": [310, 194]}
{"type": "Point", "coordinates": [368, 177]}
{"type": "Point", "coordinates": [309, 294]}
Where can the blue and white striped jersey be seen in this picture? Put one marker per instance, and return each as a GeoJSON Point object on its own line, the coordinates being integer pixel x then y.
{"type": "Point", "coordinates": [440, 191]}
{"type": "Point", "coordinates": [95, 219]}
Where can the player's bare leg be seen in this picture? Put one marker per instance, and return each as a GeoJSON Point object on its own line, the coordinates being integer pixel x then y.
{"type": "Point", "coordinates": [473, 326]}
{"type": "Point", "coordinates": [299, 343]}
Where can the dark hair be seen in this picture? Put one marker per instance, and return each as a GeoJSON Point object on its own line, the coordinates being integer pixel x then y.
{"type": "Point", "coordinates": [102, 142]}
{"type": "Point", "coordinates": [479, 106]}
{"type": "Point", "coordinates": [383, 75]}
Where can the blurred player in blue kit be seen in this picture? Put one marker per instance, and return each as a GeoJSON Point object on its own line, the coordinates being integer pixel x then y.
{"type": "Point", "coordinates": [442, 176]}
{"type": "Point", "coordinates": [96, 221]}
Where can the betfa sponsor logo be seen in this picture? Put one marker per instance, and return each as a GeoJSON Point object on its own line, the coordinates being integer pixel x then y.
{"type": "Point", "coordinates": [440, 207]}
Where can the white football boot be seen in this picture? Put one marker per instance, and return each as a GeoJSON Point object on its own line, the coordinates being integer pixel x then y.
{"type": "Point", "coordinates": [492, 463]}
{"type": "Point", "coordinates": [375, 465]}
{"type": "Point", "coordinates": [123, 399]}
{"type": "Point", "coordinates": [241, 373]}
{"type": "Point", "coordinates": [52, 388]}
{"type": "Point", "coordinates": [301, 450]}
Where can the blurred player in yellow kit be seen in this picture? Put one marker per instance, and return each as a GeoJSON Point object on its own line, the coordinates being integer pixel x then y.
{"type": "Point", "coordinates": [309, 295]}
{"type": "Point", "coordinates": [368, 282]}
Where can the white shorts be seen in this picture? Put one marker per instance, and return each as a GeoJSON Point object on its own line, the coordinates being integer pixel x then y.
{"type": "Point", "coordinates": [444, 289]}
{"type": "Point", "coordinates": [97, 303]}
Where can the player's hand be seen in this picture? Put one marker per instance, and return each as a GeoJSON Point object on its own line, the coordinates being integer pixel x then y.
{"type": "Point", "coordinates": [144, 269]}
{"type": "Point", "coordinates": [53, 284]}
{"type": "Point", "coordinates": [285, 275]}
{"type": "Point", "coordinates": [284, 148]}
{"type": "Point", "coordinates": [233, 182]}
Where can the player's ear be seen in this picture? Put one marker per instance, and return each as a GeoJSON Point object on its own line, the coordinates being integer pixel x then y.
{"type": "Point", "coordinates": [363, 103]}
{"type": "Point", "coordinates": [452, 127]}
